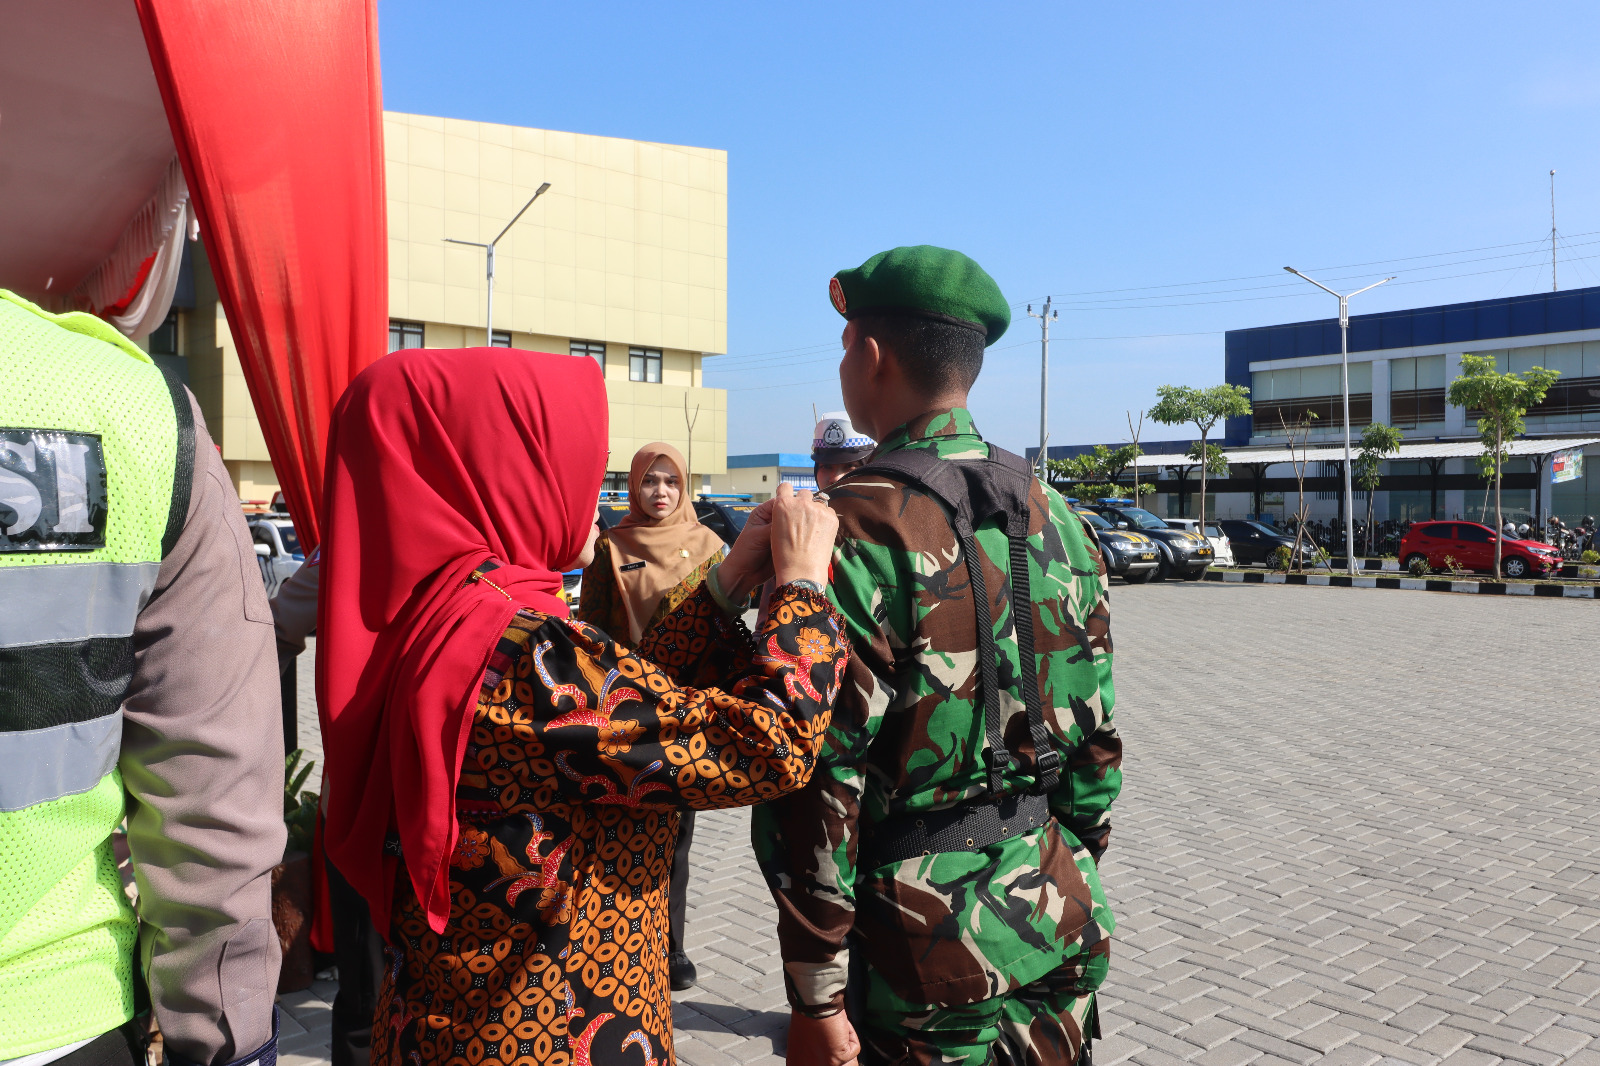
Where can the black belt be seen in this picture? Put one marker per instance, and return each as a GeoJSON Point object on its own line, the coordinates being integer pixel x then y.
{"type": "Point", "coordinates": [964, 827]}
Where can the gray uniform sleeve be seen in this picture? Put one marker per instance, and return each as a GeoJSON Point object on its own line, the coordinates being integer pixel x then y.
{"type": "Point", "coordinates": [294, 611]}
{"type": "Point", "coordinates": [202, 762]}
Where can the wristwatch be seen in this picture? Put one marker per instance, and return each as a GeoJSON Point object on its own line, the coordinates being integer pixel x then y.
{"type": "Point", "coordinates": [807, 584]}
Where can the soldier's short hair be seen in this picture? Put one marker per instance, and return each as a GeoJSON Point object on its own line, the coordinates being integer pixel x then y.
{"type": "Point", "coordinates": [938, 355]}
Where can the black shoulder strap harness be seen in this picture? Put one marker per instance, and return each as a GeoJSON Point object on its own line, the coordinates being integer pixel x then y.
{"type": "Point", "coordinates": [183, 463]}
{"type": "Point", "coordinates": [976, 491]}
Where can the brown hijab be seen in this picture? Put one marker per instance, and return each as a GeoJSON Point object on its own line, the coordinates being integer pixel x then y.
{"type": "Point", "coordinates": [670, 548]}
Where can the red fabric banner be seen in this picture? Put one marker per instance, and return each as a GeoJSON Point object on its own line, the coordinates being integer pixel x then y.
{"type": "Point", "coordinates": [277, 111]}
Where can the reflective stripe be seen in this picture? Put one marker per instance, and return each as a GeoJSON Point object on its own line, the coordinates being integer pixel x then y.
{"type": "Point", "coordinates": [64, 760]}
{"type": "Point", "coordinates": [72, 601]}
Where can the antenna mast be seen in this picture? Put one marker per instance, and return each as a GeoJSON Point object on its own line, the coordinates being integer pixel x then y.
{"type": "Point", "coordinates": [1553, 285]}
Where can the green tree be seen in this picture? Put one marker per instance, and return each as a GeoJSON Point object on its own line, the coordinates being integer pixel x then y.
{"type": "Point", "coordinates": [1181, 404]}
{"type": "Point", "coordinates": [1377, 441]}
{"type": "Point", "coordinates": [1501, 399]}
{"type": "Point", "coordinates": [1098, 469]}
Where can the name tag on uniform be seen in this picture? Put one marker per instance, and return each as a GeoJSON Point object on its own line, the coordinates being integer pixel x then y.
{"type": "Point", "coordinates": [52, 491]}
{"type": "Point", "coordinates": [625, 567]}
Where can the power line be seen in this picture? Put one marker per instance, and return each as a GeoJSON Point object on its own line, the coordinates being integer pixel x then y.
{"type": "Point", "coordinates": [1280, 285]}
{"type": "Point", "coordinates": [1291, 295]}
{"type": "Point", "coordinates": [784, 357]}
{"type": "Point", "coordinates": [1345, 266]}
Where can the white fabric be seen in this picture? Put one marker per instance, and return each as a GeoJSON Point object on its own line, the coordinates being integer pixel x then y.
{"type": "Point", "coordinates": [149, 309]}
{"type": "Point", "coordinates": [159, 226]}
{"type": "Point", "coordinates": [39, 1058]}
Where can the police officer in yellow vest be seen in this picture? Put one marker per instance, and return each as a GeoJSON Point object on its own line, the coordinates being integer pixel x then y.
{"type": "Point", "coordinates": [137, 680]}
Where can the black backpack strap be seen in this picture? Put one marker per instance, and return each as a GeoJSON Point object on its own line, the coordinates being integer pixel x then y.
{"type": "Point", "coordinates": [974, 491]}
{"type": "Point", "coordinates": [182, 465]}
{"type": "Point", "coordinates": [945, 482]}
{"type": "Point", "coordinates": [1048, 760]}
{"type": "Point", "coordinates": [1048, 769]}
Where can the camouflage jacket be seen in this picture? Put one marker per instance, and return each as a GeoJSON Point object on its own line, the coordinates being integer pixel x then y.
{"type": "Point", "coordinates": [908, 736]}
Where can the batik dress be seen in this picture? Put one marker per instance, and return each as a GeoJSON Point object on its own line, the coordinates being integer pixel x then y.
{"type": "Point", "coordinates": [582, 752]}
{"type": "Point", "coordinates": [602, 603]}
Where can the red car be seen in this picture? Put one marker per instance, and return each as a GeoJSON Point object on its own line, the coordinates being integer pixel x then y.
{"type": "Point", "coordinates": [1472, 547]}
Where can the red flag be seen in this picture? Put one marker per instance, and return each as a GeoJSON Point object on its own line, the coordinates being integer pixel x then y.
{"type": "Point", "coordinates": [276, 109]}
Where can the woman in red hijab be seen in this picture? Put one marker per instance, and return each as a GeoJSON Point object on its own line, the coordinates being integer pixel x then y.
{"type": "Point", "coordinates": [504, 782]}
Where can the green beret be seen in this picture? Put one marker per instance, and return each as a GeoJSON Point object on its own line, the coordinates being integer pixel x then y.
{"type": "Point", "coordinates": [926, 281]}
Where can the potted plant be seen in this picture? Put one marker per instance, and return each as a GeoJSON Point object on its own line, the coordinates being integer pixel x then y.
{"type": "Point", "coordinates": [291, 878]}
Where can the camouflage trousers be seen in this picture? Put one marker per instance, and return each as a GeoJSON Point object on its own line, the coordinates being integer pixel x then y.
{"type": "Point", "coordinates": [1039, 1024]}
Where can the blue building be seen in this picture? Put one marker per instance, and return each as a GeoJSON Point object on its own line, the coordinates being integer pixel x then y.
{"type": "Point", "coordinates": [1401, 366]}
{"type": "Point", "coordinates": [759, 475]}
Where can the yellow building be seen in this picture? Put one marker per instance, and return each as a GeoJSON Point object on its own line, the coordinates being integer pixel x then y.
{"type": "Point", "coordinates": [624, 260]}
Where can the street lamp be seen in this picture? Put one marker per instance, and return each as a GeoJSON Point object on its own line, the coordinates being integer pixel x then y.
{"type": "Point", "coordinates": [1344, 379]}
{"type": "Point", "coordinates": [488, 326]}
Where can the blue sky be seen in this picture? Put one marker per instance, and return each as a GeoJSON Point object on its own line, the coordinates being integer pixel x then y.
{"type": "Point", "coordinates": [1151, 166]}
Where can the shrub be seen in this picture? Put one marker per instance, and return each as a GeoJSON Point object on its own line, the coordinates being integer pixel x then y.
{"type": "Point", "coordinates": [1282, 557]}
{"type": "Point", "coordinates": [299, 807]}
{"type": "Point", "coordinates": [1591, 557]}
{"type": "Point", "coordinates": [1452, 565]}
{"type": "Point", "coordinates": [1419, 567]}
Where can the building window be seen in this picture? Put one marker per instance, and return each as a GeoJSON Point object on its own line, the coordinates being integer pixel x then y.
{"type": "Point", "coordinates": [615, 481]}
{"type": "Point", "coordinates": [404, 335]}
{"type": "Point", "coordinates": [1416, 391]}
{"type": "Point", "coordinates": [164, 339]}
{"type": "Point", "coordinates": [644, 364]}
{"type": "Point", "coordinates": [595, 350]}
{"type": "Point", "coordinates": [499, 339]}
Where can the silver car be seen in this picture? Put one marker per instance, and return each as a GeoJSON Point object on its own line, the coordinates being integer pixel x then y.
{"type": "Point", "coordinates": [1214, 533]}
{"type": "Point", "coordinates": [278, 550]}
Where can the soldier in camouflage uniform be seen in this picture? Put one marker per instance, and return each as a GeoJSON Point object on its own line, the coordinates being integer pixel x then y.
{"type": "Point", "coordinates": [969, 956]}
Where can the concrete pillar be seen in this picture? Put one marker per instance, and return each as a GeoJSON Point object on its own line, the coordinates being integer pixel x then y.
{"type": "Point", "coordinates": [1455, 499]}
{"type": "Point", "coordinates": [1455, 418]}
{"type": "Point", "coordinates": [1380, 390]}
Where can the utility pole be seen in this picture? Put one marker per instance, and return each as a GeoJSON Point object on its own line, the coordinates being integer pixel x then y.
{"type": "Point", "coordinates": [1044, 316]}
{"type": "Point", "coordinates": [1553, 285]}
{"type": "Point", "coordinates": [488, 317]}
{"type": "Point", "coordinates": [1344, 376]}
{"type": "Point", "coordinates": [689, 473]}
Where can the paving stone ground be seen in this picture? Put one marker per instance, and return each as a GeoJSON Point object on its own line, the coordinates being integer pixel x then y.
{"type": "Point", "coordinates": [1358, 827]}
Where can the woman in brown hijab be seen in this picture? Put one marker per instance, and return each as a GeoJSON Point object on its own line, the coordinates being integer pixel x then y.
{"type": "Point", "coordinates": [644, 567]}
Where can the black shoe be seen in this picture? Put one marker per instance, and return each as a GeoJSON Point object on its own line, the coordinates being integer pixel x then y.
{"type": "Point", "coordinates": [681, 973]}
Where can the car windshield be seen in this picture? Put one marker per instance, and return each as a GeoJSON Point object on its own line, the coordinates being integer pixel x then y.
{"type": "Point", "coordinates": [612, 513]}
{"type": "Point", "coordinates": [1142, 519]}
{"type": "Point", "coordinates": [1213, 531]}
{"type": "Point", "coordinates": [738, 515]}
{"type": "Point", "coordinates": [1093, 519]}
{"type": "Point", "coordinates": [1268, 530]}
{"type": "Point", "coordinates": [291, 543]}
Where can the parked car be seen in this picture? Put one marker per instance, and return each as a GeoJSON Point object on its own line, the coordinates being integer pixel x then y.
{"type": "Point", "coordinates": [278, 550]}
{"type": "Point", "coordinates": [1183, 554]}
{"type": "Point", "coordinates": [1254, 542]}
{"type": "Point", "coordinates": [1131, 556]}
{"type": "Point", "coordinates": [1471, 544]}
{"type": "Point", "coordinates": [613, 509]}
{"type": "Point", "coordinates": [724, 515]}
{"type": "Point", "coordinates": [1214, 533]}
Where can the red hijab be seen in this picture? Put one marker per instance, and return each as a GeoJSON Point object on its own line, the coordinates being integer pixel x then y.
{"type": "Point", "coordinates": [437, 460]}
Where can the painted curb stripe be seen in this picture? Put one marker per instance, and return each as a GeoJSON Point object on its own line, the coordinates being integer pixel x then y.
{"type": "Point", "coordinates": [1481, 588]}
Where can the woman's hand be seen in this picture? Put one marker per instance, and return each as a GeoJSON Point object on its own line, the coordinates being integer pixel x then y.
{"type": "Point", "coordinates": [803, 531]}
{"type": "Point", "coordinates": [749, 561]}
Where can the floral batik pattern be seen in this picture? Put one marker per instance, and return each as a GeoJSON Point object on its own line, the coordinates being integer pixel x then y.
{"type": "Point", "coordinates": [581, 755]}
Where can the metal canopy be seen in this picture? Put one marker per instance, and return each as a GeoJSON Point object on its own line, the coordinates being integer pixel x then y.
{"type": "Point", "coordinates": [1418, 450]}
